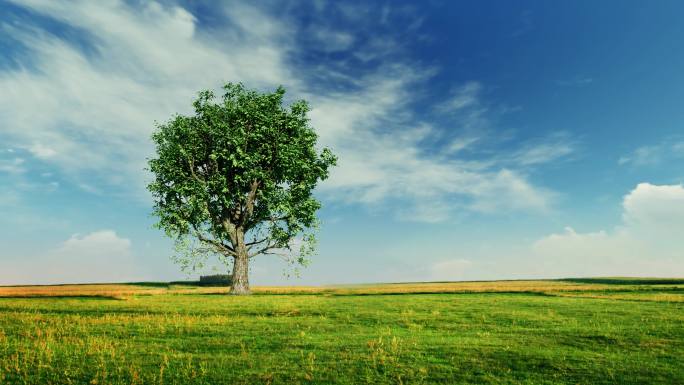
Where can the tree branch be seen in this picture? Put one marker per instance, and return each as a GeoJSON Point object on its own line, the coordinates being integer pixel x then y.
{"type": "Point", "coordinates": [220, 246]}
{"type": "Point", "coordinates": [265, 249]}
{"type": "Point", "coordinates": [246, 214]}
{"type": "Point", "coordinates": [271, 219]}
{"type": "Point", "coordinates": [281, 256]}
{"type": "Point", "coordinates": [192, 171]}
{"type": "Point", "coordinates": [250, 244]}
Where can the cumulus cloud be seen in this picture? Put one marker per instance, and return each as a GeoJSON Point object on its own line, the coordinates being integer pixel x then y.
{"type": "Point", "coordinates": [652, 205]}
{"type": "Point", "coordinates": [646, 243]}
{"type": "Point", "coordinates": [94, 243]}
{"type": "Point", "coordinates": [100, 256]}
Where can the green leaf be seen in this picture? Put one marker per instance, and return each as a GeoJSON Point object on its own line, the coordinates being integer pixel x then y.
{"type": "Point", "coordinates": [241, 164]}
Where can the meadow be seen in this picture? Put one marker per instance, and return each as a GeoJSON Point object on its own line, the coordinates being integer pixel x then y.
{"type": "Point", "coordinates": [607, 331]}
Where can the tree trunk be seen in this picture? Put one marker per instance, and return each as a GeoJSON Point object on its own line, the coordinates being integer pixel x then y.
{"type": "Point", "coordinates": [240, 283]}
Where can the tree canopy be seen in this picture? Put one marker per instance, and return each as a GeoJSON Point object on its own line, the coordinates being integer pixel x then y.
{"type": "Point", "coordinates": [236, 178]}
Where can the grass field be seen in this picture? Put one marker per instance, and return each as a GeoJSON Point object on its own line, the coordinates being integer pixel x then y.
{"type": "Point", "coordinates": [609, 331]}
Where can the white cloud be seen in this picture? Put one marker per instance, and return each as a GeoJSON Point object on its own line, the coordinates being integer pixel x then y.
{"type": "Point", "coordinates": [653, 155]}
{"type": "Point", "coordinates": [380, 157]}
{"type": "Point", "coordinates": [646, 155]}
{"type": "Point", "coordinates": [543, 154]}
{"type": "Point", "coordinates": [551, 148]}
{"type": "Point", "coordinates": [12, 166]}
{"type": "Point", "coordinates": [94, 243]}
{"type": "Point", "coordinates": [377, 48]}
{"type": "Point", "coordinates": [332, 41]}
{"type": "Point", "coordinates": [100, 256]}
{"type": "Point", "coordinates": [647, 243]}
{"type": "Point", "coordinates": [657, 209]}
{"type": "Point", "coordinates": [460, 144]}
{"type": "Point", "coordinates": [41, 151]}
{"type": "Point", "coordinates": [146, 63]}
{"type": "Point", "coordinates": [467, 95]}
{"type": "Point", "coordinates": [97, 109]}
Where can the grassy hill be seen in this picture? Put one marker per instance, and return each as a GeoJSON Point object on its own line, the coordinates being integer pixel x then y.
{"type": "Point", "coordinates": [597, 331]}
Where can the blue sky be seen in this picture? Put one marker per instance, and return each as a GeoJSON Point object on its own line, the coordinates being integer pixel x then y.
{"type": "Point", "coordinates": [477, 140]}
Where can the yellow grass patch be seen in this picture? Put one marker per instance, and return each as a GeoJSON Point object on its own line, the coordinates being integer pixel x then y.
{"type": "Point", "coordinates": [127, 290]}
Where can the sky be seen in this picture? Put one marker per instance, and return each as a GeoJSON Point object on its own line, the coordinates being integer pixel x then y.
{"type": "Point", "coordinates": [476, 140]}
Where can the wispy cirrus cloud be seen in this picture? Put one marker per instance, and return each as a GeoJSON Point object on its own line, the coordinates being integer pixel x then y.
{"type": "Point", "coordinates": [463, 96]}
{"type": "Point", "coordinates": [654, 154]}
{"type": "Point", "coordinates": [382, 158]}
{"type": "Point", "coordinates": [91, 111]}
{"type": "Point", "coordinates": [332, 41]}
{"type": "Point", "coordinates": [12, 165]}
{"type": "Point", "coordinates": [136, 63]}
{"type": "Point", "coordinates": [547, 149]}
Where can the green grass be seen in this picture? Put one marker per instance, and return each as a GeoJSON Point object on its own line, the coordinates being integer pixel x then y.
{"type": "Point", "coordinates": [629, 335]}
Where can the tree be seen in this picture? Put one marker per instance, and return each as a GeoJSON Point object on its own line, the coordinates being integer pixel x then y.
{"type": "Point", "coordinates": [236, 179]}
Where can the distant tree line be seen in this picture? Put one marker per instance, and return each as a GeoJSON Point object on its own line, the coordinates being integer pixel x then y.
{"type": "Point", "coordinates": [216, 280]}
